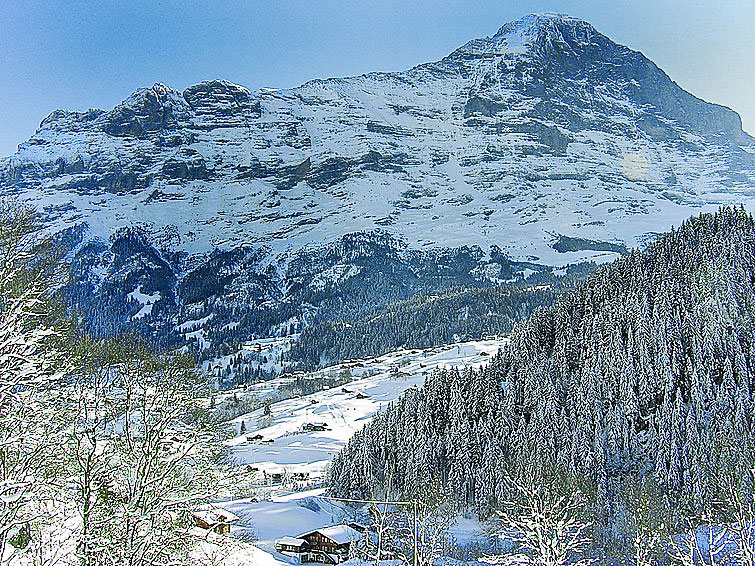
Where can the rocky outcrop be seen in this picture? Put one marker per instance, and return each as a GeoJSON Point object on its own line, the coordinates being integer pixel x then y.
{"type": "Point", "coordinates": [147, 111]}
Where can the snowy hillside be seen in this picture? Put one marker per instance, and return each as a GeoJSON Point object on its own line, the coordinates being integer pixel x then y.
{"type": "Point", "coordinates": [285, 456]}
{"type": "Point", "coordinates": [282, 445]}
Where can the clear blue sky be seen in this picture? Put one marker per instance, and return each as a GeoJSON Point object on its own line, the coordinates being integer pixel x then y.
{"type": "Point", "coordinates": [81, 54]}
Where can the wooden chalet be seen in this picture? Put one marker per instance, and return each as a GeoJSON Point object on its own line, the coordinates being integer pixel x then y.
{"type": "Point", "coordinates": [214, 519]}
{"type": "Point", "coordinates": [292, 547]}
{"type": "Point", "coordinates": [329, 545]}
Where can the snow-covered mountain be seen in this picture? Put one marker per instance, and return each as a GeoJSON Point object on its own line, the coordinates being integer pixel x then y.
{"type": "Point", "coordinates": [546, 140]}
{"type": "Point", "coordinates": [547, 126]}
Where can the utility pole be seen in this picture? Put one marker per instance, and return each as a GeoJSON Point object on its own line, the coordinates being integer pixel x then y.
{"type": "Point", "coordinates": [414, 529]}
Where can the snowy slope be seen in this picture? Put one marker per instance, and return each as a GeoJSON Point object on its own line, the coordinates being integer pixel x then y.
{"type": "Point", "coordinates": [293, 451]}
{"type": "Point", "coordinates": [385, 379]}
{"type": "Point", "coordinates": [545, 128]}
{"type": "Point", "coordinates": [284, 515]}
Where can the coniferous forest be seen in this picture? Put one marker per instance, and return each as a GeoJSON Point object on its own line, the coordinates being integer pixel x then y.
{"type": "Point", "coordinates": [638, 386]}
{"type": "Point", "coordinates": [452, 314]}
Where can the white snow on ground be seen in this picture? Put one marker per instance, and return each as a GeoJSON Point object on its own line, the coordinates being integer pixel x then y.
{"type": "Point", "coordinates": [191, 324]}
{"type": "Point", "coordinates": [264, 353]}
{"type": "Point", "coordinates": [146, 300]}
{"type": "Point", "coordinates": [377, 382]}
{"type": "Point", "coordinates": [344, 412]}
{"type": "Point", "coordinates": [267, 352]}
{"type": "Point", "coordinates": [214, 549]}
{"type": "Point", "coordinates": [292, 514]}
{"type": "Point", "coordinates": [193, 330]}
{"type": "Point", "coordinates": [286, 515]}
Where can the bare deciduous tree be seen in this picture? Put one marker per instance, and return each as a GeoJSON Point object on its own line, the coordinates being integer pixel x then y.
{"type": "Point", "coordinates": [30, 362]}
{"type": "Point", "coordinates": [144, 455]}
{"type": "Point", "coordinates": [737, 486]}
{"type": "Point", "coordinates": [703, 543]}
{"type": "Point", "coordinates": [544, 518]}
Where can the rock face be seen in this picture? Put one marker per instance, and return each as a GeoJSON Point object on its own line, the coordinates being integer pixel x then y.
{"type": "Point", "coordinates": [545, 130]}
{"type": "Point", "coordinates": [493, 144]}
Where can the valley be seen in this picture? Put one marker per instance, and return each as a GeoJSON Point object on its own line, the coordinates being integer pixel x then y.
{"type": "Point", "coordinates": [287, 462]}
{"type": "Point", "coordinates": [497, 308]}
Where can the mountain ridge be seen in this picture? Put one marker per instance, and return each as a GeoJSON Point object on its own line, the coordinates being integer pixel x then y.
{"type": "Point", "coordinates": [532, 29]}
{"type": "Point", "coordinates": [541, 146]}
{"type": "Point", "coordinates": [480, 118]}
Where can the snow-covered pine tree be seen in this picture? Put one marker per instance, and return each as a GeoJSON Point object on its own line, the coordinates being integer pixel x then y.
{"type": "Point", "coordinates": [637, 374]}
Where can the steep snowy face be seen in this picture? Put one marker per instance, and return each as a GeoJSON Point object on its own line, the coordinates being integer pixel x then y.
{"type": "Point", "coordinates": [545, 129]}
{"type": "Point", "coordinates": [565, 60]}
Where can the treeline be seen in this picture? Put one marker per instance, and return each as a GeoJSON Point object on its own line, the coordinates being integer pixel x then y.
{"type": "Point", "coordinates": [643, 376]}
{"type": "Point", "coordinates": [350, 282]}
{"type": "Point", "coordinates": [362, 282]}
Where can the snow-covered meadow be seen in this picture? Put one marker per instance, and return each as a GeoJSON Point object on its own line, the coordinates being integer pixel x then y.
{"type": "Point", "coordinates": [344, 409]}
{"type": "Point", "coordinates": [284, 449]}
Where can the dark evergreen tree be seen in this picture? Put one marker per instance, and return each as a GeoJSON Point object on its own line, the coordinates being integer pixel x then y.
{"type": "Point", "coordinates": [641, 374]}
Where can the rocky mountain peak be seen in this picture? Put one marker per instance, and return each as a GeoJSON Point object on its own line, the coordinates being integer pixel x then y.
{"type": "Point", "coordinates": [217, 87]}
{"type": "Point", "coordinates": [156, 95]}
{"type": "Point", "coordinates": [547, 119]}
{"type": "Point", "coordinates": [545, 28]}
{"type": "Point", "coordinates": [152, 109]}
{"type": "Point", "coordinates": [218, 103]}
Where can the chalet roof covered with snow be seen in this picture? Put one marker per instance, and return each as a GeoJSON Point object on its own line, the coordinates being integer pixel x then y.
{"type": "Point", "coordinates": [340, 534]}
{"type": "Point", "coordinates": [214, 515]}
{"type": "Point", "coordinates": [290, 541]}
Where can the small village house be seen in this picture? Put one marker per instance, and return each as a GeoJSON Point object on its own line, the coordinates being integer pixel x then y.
{"type": "Point", "coordinates": [214, 519]}
{"type": "Point", "coordinates": [329, 545]}
{"type": "Point", "coordinates": [272, 476]}
{"type": "Point", "coordinates": [315, 427]}
{"type": "Point", "coordinates": [292, 547]}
